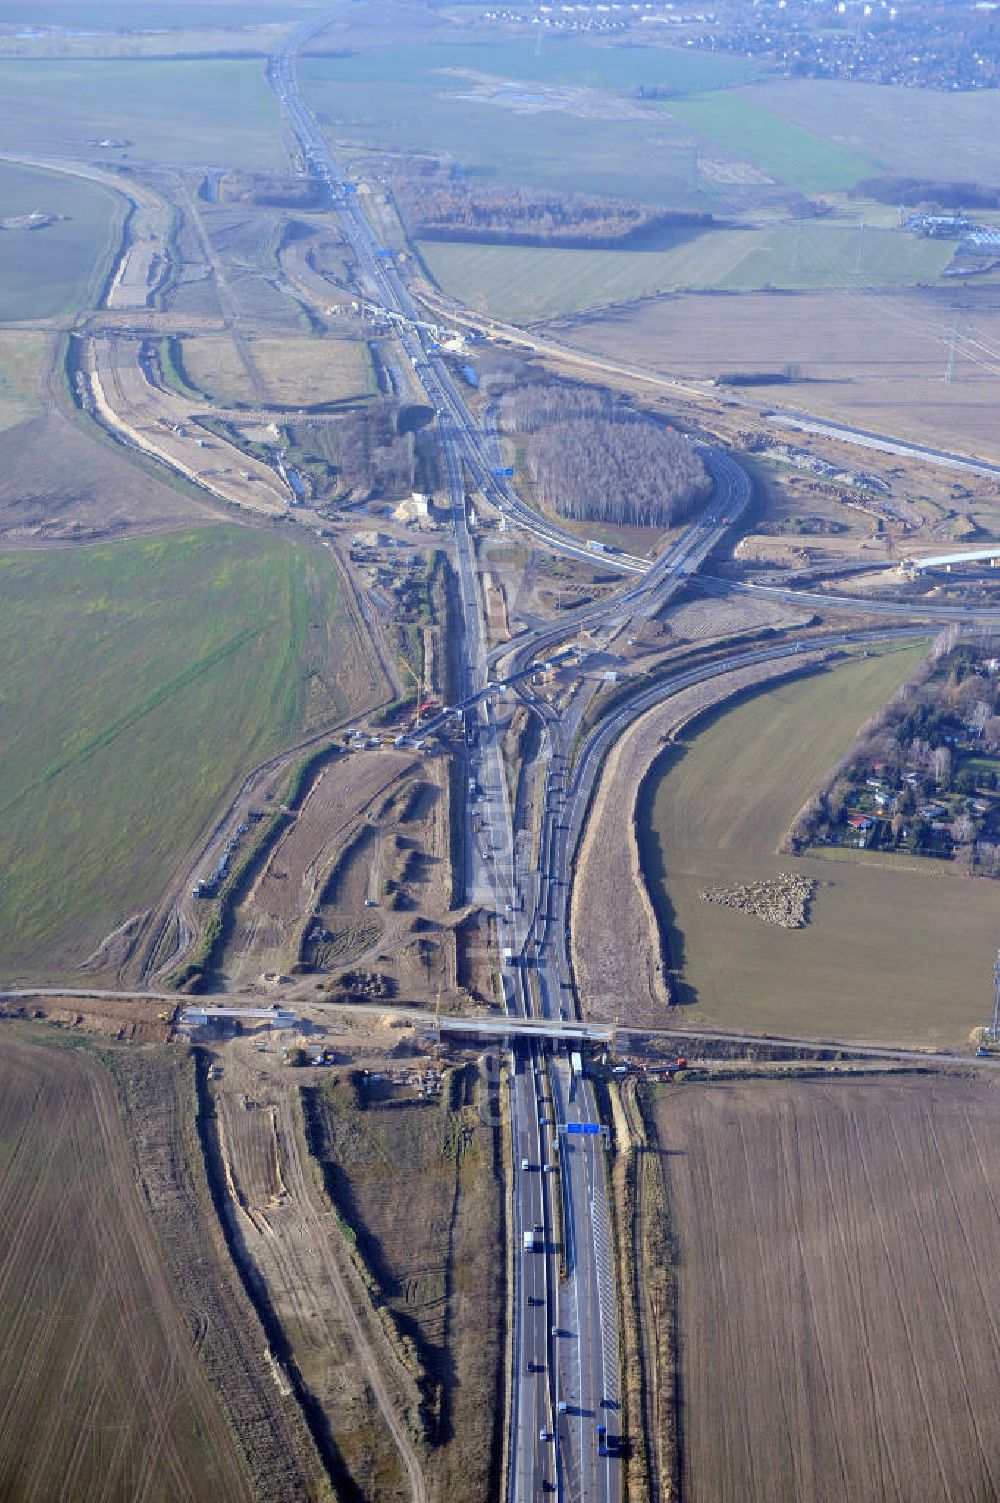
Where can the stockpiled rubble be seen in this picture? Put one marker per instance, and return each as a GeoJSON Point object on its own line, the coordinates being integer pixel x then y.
{"type": "Point", "coordinates": [783, 899]}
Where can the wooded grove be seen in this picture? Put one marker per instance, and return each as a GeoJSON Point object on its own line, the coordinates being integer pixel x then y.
{"type": "Point", "coordinates": [594, 459]}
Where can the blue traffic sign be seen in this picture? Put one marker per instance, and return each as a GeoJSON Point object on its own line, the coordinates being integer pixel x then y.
{"type": "Point", "coordinates": [590, 1128]}
{"type": "Point", "coordinates": [508, 471]}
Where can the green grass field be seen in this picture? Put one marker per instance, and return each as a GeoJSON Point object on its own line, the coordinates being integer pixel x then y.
{"type": "Point", "coordinates": [895, 949]}
{"type": "Point", "coordinates": [49, 270]}
{"type": "Point", "coordinates": [22, 356]}
{"type": "Point", "coordinates": [525, 283]}
{"type": "Point", "coordinates": [648, 158]}
{"type": "Point", "coordinates": [924, 133]}
{"type": "Point", "coordinates": [791, 155]}
{"type": "Point", "coordinates": [213, 111]}
{"type": "Point", "coordinates": [561, 60]}
{"type": "Point", "coordinates": [140, 680]}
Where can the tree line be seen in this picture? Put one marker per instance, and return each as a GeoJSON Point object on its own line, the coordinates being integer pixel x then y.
{"type": "Point", "coordinates": [594, 459]}
{"type": "Point", "coordinates": [443, 209]}
{"type": "Point", "coordinates": [916, 192]}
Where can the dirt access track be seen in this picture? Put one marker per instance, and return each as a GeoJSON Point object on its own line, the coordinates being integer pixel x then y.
{"type": "Point", "coordinates": [160, 422]}
{"type": "Point", "coordinates": [614, 928]}
{"type": "Point", "coordinates": [282, 1224]}
{"type": "Point", "coordinates": [271, 918]}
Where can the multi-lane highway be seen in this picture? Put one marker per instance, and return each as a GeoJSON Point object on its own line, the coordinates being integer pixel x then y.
{"type": "Point", "coordinates": [565, 1384]}
{"type": "Point", "coordinates": [565, 1435]}
{"type": "Point", "coordinates": [566, 1412]}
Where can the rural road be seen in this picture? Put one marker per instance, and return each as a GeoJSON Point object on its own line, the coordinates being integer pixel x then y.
{"type": "Point", "coordinates": [492, 1027]}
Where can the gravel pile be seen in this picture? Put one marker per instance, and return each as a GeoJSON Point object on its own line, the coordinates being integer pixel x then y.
{"type": "Point", "coordinates": [783, 899]}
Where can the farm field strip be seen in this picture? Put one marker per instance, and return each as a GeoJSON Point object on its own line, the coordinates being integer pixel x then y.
{"type": "Point", "coordinates": [609, 850]}
{"type": "Point", "coordinates": [846, 1230]}
{"type": "Point", "coordinates": [790, 154]}
{"type": "Point", "coordinates": [297, 372]}
{"type": "Point", "coordinates": [439, 1269]}
{"type": "Point", "coordinates": [52, 269]}
{"type": "Point", "coordinates": [295, 1247]}
{"type": "Point", "coordinates": [641, 156]}
{"type": "Point", "coordinates": [563, 60]}
{"type": "Point", "coordinates": [170, 110]}
{"type": "Point", "coordinates": [873, 359]}
{"type": "Point", "coordinates": [922, 133]}
{"type": "Point", "coordinates": [102, 1392]}
{"type": "Point", "coordinates": [529, 283]}
{"type": "Point", "coordinates": [22, 359]}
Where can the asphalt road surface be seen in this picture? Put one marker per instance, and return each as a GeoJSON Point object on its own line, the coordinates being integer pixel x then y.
{"type": "Point", "coordinates": [564, 1436]}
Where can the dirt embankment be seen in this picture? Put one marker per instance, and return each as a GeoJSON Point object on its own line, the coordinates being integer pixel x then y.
{"type": "Point", "coordinates": [360, 1399]}
{"type": "Point", "coordinates": [130, 1020]}
{"type": "Point", "coordinates": [290, 882]}
{"type": "Point", "coordinates": [342, 804]}
{"type": "Point", "coordinates": [139, 272]}
{"type": "Point", "coordinates": [117, 390]}
{"type": "Point", "coordinates": [618, 955]}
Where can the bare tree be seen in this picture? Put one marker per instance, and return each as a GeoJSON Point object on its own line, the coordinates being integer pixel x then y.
{"type": "Point", "coordinates": [941, 766]}
{"type": "Point", "coordinates": [980, 714]}
{"type": "Point", "coordinates": [920, 752]}
{"type": "Point", "coordinates": [946, 641]}
{"type": "Point", "coordinates": [837, 798]}
{"type": "Point", "coordinates": [964, 830]}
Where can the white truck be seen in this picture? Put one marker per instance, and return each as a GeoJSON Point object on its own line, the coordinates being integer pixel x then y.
{"type": "Point", "coordinates": [576, 1063]}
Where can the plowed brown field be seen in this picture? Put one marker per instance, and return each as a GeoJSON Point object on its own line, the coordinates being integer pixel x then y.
{"type": "Point", "coordinates": [836, 1248]}
{"type": "Point", "coordinates": [101, 1394]}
